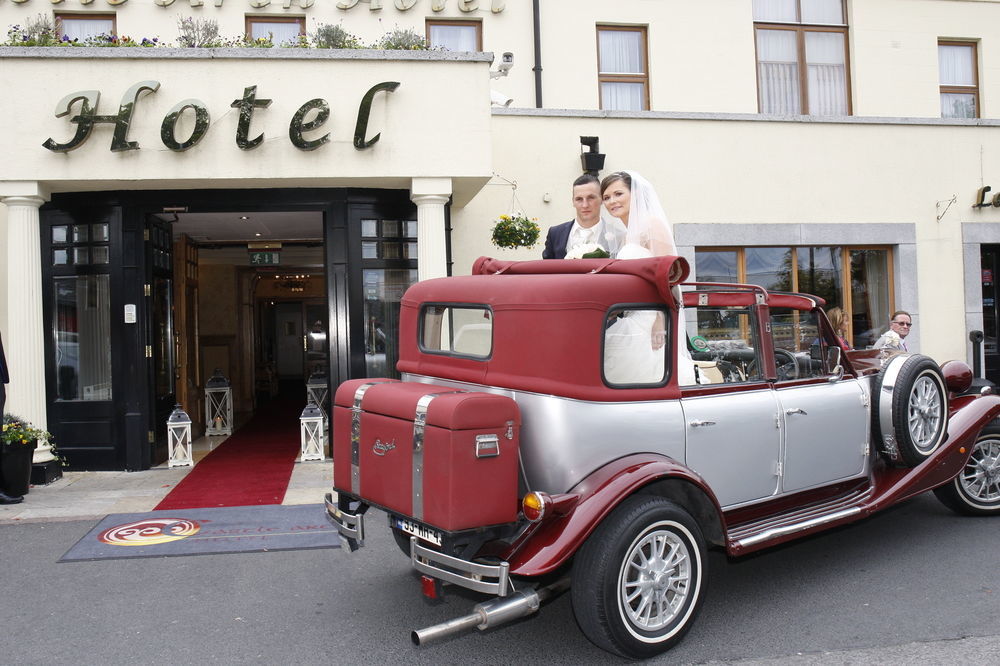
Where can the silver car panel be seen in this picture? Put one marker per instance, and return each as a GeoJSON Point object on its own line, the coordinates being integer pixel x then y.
{"type": "Point", "coordinates": [825, 428]}
{"type": "Point", "coordinates": [564, 440]}
{"type": "Point", "coordinates": [734, 443]}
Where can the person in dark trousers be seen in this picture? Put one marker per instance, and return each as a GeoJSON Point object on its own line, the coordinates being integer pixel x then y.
{"type": "Point", "coordinates": [4, 378]}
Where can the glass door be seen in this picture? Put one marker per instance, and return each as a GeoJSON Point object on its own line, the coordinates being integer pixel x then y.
{"type": "Point", "coordinates": [160, 351]}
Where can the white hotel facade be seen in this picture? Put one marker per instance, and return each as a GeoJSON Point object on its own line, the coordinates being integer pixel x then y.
{"type": "Point", "coordinates": [850, 140]}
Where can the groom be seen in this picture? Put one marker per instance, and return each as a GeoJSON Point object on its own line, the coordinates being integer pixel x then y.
{"type": "Point", "coordinates": [588, 227]}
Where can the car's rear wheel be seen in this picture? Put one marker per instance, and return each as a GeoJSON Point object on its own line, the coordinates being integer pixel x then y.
{"type": "Point", "coordinates": [909, 409]}
{"type": "Point", "coordinates": [976, 489]}
{"type": "Point", "coordinates": [639, 579]}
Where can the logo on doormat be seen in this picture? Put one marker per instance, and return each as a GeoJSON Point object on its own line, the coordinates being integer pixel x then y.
{"type": "Point", "coordinates": [149, 532]}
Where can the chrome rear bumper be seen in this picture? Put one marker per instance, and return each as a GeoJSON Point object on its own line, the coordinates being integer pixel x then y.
{"type": "Point", "coordinates": [350, 526]}
{"type": "Point", "coordinates": [485, 578]}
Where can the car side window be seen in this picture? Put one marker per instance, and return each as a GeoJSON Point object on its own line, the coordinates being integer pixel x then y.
{"type": "Point", "coordinates": [722, 343]}
{"type": "Point", "coordinates": [799, 346]}
{"type": "Point", "coordinates": [636, 340]}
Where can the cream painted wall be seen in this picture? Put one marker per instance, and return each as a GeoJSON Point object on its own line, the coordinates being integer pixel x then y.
{"type": "Point", "coordinates": [894, 64]}
{"type": "Point", "coordinates": [752, 171]}
{"type": "Point", "coordinates": [702, 54]}
{"type": "Point", "coordinates": [4, 321]}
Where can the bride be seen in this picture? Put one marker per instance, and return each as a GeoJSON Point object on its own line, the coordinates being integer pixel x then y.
{"type": "Point", "coordinates": [634, 341]}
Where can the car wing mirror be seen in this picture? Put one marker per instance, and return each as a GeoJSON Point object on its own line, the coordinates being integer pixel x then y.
{"type": "Point", "coordinates": [833, 361]}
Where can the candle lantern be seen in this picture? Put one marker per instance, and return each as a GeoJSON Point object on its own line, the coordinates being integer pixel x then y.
{"type": "Point", "coordinates": [179, 439]}
{"type": "Point", "coordinates": [317, 390]}
{"type": "Point", "coordinates": [218, 405]}
{"type": "Point", "coordinates": [312, 433]}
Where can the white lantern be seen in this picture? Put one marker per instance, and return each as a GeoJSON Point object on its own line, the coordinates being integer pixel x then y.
{"type": "Point", "coordinates": [218, 405]}
{"type": "Point", "coordinates": [317, 390]}
{"type": "Point", "coordinates": [312, 433]}
{"type": "Point", "coordinates": [179, 439]}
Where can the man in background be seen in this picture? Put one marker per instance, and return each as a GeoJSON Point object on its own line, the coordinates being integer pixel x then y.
{"type": "Point", "coordinates": [900, 325]}
{"type": "Point", "coordinates": [588, 227]}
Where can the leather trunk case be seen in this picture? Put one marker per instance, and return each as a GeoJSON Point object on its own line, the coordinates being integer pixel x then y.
{"type": "Point", "coordinates": [462, 475]}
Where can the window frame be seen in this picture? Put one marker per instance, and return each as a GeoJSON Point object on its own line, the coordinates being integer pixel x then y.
{"type": "Point", "coordinates": [477, 25]}
{"type": "Point", "coordinates": [250, 20]}
{"type": "Point", "coordinates": [61, 17]}
{"type": "Point", "coordinates": [624, 78]}
{"type": "Point", "coordinates": [963, 90]}
{"type": "Point", "coordinates": [801, 29]}
{"type": "Point", "coordinates": [452, 332]}
{"type": "Point", "coordinates": [846, 293]}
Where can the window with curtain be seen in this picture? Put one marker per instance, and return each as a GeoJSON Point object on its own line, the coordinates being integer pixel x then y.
{"type": "Point", "coordinates": [623, 72]}
{"type": "Point", "coordinates": [854, 279]}
{"type": "Point", "coordinates": [281, 30]}
{"type": "Point", "coordinates": [81, 27]}
{"type": "Point", "coordinates": [802, 65]}
{"type": "Point", "coordinates": [958, 67]}
{"type": "Point", "coordinates": [455, 35]}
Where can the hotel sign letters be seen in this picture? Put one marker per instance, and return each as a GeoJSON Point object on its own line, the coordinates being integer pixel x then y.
{"type": "Point", "coordinates": [318, 110]}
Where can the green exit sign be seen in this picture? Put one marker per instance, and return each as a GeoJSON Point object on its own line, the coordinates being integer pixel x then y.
{"type": "Point", "coordinates": [269, 258]}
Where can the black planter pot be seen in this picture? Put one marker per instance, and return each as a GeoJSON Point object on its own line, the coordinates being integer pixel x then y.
{"type": "Point", "coordinates": [15, 467]}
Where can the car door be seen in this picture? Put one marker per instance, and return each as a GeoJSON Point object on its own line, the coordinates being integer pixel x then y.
{"type": "Point", "coordinates": [730, 415]}
{"type": "Point", "coordinates": [733, 442]}
{"type": "Point", "coordinates": [824, 423]}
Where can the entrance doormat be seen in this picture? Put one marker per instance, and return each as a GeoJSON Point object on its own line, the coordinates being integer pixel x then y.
{"type": "Point", "coordinates": [237, 529]}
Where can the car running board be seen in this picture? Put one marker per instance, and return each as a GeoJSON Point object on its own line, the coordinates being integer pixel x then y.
{"type": "Point", "coordinates": [773, 529]}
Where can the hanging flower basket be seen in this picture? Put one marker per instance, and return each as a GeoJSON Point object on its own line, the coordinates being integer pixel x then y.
{"type": "Point", "coordinates": [514, 231]}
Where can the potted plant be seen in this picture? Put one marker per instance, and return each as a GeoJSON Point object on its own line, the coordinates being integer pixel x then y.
{"type": "Point", "coordinates": [18, 441]}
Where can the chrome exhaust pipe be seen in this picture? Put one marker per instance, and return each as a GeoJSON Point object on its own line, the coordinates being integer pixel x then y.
{"type": "Point", "coordinates": [492, 613]}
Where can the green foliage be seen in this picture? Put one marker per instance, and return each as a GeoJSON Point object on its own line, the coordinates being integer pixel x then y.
{"type": "Point", "coordinates": [514, 231]}
{"type": "Point", "coordinates": [38, 31]}
{"type": "Point", "coordinates": [329, 36]}
{"type": "Point", "coordinates": [399, 39]}
{"type": "Point", "coordinates": [198, 33]}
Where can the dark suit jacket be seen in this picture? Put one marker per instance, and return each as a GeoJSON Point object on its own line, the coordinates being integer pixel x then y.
{"type": "Point", "coordinates": [556, 239]}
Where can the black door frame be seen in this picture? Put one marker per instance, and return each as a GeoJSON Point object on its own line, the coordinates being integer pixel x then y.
{"type": "Point", "coordinates": [130, 429]}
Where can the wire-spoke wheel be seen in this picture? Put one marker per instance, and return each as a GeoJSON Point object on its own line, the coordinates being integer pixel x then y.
{"type": "Point", "coordinates": [655, 579]}
{"type": "Point", "coordinates": [924, 414]}
{"type": "Point", "coordinates": [976, 489]}
{"type": "Point", "coordinates": [639, 579]}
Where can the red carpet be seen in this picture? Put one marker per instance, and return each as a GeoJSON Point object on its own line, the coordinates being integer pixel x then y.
{"type": "Point", "coordinates": [253, 466]}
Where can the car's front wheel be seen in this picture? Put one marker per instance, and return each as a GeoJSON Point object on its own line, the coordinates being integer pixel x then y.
{"type": "Point", "coordinates": [639, 579]}
{"type": "Point", "coordinates": [976, 489]}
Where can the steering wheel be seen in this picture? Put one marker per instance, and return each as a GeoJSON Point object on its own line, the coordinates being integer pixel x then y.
{"type": "Point", "coordinates": [785, 363]}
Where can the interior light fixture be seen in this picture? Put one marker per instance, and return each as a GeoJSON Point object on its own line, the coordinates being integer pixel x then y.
{"type": "Point", "coordinates": [257, 235]}
{"type": "Point", "coordinates": [244, 218]}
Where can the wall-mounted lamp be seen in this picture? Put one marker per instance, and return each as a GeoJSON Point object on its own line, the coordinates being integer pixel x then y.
{"type": "Point", "coordinates": [591, 159]}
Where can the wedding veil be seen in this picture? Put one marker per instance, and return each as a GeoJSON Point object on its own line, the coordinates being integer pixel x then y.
{"type": "Point", "coordinates": [647, 222]}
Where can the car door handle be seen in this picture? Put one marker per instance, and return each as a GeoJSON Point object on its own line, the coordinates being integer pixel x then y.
{"type": "Point", "coordinates": [696, 424]}
{"type": "Point", "coordinates": [796, 411]}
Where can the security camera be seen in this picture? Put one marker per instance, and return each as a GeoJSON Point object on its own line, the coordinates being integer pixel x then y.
{"type": "Point", "coordinates": [497, 98]}
{"type": "Point", "coordinates": [506, 62]}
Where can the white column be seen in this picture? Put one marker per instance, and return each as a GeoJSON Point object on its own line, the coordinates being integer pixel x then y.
{"type": "Point", "coordinates": [24, 335]}
{"type": "Point", "coordinates": [431, 195]}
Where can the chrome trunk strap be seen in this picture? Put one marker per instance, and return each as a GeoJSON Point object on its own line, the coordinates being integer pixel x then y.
{"type": "Point", "coordinates": [359, 394]}
{"type": "Point", "coordinates": [419, 424]}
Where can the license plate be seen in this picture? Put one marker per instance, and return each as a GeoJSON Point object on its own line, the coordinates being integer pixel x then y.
{"type": "Point", "coordinates": [419, 531]}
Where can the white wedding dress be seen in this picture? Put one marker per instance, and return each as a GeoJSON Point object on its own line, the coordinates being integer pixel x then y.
{"type": "Point", "coordinates": [629, 356]}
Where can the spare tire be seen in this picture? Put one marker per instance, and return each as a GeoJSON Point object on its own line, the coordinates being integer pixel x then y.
{"type": "Point", "coordinates": [909, 409]}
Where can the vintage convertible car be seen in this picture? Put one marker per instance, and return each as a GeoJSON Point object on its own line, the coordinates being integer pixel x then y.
{"type": "Point", "coordinates": [541, 438]}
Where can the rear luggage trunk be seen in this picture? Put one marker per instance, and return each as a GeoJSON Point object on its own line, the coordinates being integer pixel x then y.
{"type": "Point", "coordinates": [443, 457]}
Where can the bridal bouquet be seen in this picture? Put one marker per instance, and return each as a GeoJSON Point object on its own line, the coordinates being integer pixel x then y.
{"type": "Point", "coordinates": [587, 251]}
{"type": "Point", "coordinates": [893, 341]}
